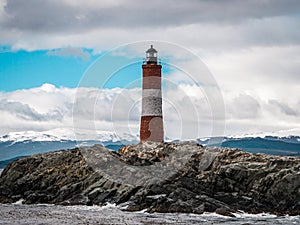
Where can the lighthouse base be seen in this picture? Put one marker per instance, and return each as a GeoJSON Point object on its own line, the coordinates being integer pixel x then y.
{"type": "Point", "coordinates": [151, 129]}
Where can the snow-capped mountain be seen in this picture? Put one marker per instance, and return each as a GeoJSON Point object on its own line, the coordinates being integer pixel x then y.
{"type": "Point", "coordinates": [295, 132]}
{"type": "Point", "coordinates": [17, 144]}
{"type": "Point", "coordinates": [267, 143]}
{"type": "Point", "coordinates": [33, 136]}
{"type": "Point", "coordinates": [64, 134]}
{"type": "Point", "coordinates": [68, 134]}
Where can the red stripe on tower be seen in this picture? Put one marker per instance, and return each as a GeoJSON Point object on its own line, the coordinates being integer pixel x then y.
{"type": "Point", "coordinates": [151, 128]}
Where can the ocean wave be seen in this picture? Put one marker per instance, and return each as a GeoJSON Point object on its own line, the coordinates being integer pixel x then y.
{"type": "Point", "coordinates": [112, 214]}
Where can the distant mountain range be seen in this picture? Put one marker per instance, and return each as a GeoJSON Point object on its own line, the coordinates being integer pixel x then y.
{"type": "Point", "coordinates": [19, 144]}
{"type": "Point", "coordinates": [289, 146]}
{"type": "Point", "coordinates": [64, 134]}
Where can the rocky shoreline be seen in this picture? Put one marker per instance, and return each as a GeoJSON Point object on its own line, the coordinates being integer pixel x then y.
{"type": "Point", "coordinates": [167, 177]}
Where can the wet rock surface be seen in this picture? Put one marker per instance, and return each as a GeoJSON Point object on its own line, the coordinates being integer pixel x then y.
{"type": "Point", "coordinates": [166, 177]}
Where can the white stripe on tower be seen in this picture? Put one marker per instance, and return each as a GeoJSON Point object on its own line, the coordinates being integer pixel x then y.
{"type": "Point", "coordinates": [151, 93]}
{"type": "Point", "coordinates": [152, 102]}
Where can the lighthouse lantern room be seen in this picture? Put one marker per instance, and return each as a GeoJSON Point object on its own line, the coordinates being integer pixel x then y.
{"type": "Point", "coordinates": [151, 55]}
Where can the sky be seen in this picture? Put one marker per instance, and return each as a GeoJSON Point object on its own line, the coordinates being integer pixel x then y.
{"type": "Point", "coordinates": [55, 56]}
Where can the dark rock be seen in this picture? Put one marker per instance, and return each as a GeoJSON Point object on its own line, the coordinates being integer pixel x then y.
{"type": "Point", "coordinates": [160, 177]}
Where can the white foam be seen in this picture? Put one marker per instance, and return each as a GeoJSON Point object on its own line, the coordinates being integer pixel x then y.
{"type": "Point", "coordinates": [259, 215]}
{"type": "Point", "coordinates": [19, 202]}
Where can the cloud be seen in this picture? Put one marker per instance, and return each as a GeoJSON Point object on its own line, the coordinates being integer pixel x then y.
{"type": "Point", "coordinates": [244, 107]}
{"type": "Point", "coordinates": [264, 72]}
{"type": "Point", "coordinates": [55, 15]}
{"type": "Point", "coordinates": [105, 24]}
{"type": "Point", "coordinates": [70, 52]}
{"type": "Point", "coordinates": [118, 110]}
{"type": "Point", "coordinates": [187, 113]}
{"type": "Point", "coordinates": [284, 108]}
{"type": "Point", "coordinates": [251, 47]}
{"type": "Point", "coordinates": [23, 111]}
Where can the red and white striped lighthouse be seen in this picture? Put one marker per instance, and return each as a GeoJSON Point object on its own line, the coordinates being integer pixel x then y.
{"type": "Point", "coordinates": [151, 128]}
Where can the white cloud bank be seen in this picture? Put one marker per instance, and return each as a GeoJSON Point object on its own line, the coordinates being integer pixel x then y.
{"type": "Point", "coordinates": [209, 25]}
{"type": "Point", "coordinates": [251, 47]}
{"type": "Point", "coordinates": [186, 112]}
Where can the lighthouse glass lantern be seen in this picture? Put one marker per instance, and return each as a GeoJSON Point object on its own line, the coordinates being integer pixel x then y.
{"type": "Point", "coordinates": [151, 55]}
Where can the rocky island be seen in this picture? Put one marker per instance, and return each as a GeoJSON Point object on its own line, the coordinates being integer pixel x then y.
{"type": "Point", "coordinates": [157, 177]}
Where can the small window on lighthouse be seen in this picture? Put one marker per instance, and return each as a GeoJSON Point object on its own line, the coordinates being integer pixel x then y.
{"type": "Point", "coordinates": [151, 54]}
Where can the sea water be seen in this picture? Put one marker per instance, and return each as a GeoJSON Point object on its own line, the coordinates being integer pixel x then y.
{"type": "Point", "coordinates": [110, 214]}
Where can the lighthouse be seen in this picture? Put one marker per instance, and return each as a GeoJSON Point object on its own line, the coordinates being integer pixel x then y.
{"type": "Point", "coordinates": [151, 127]}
